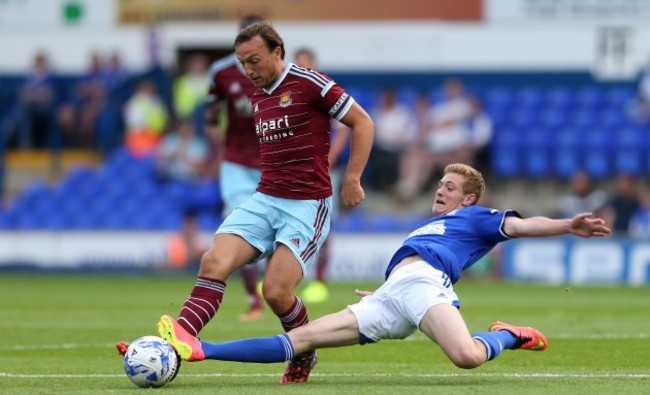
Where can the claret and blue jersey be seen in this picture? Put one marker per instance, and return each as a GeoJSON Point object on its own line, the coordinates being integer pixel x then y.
{"type": "Point", "coordinates": [292, 122]}
{"type": "Point", "coordinates": [454, 241]}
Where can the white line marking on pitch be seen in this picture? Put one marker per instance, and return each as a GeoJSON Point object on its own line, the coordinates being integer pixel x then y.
{"type": "Point", "coordinates": [415, 375]}
{"type": "Point", "coordinates": [418, 338]}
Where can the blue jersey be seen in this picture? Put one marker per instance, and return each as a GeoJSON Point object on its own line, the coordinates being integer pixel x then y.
{"type": "Point", "coordinates": [455, 241]}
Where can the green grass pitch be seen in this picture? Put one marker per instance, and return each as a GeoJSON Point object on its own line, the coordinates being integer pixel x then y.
{"type": "Point", "coordinates": [58, 331]}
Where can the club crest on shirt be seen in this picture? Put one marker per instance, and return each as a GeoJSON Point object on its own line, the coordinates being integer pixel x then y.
{"type": "Point", "coordinates": [285, 99]}
{"type": "Point", "coordinates": [256, 109]}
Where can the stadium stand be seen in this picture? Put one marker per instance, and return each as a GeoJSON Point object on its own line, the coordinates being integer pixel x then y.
{"type": "Point", "coordinates": [545, 128]}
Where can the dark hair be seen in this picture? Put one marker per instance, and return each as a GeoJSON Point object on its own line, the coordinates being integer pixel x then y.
{"type": "Point", "coordinates": [267, 33]}
{"type": "Point", "coordinates": [249, 20]}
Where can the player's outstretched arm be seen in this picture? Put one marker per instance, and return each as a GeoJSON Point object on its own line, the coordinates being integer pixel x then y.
{"type": "Point", "coordinates": [583, 225]}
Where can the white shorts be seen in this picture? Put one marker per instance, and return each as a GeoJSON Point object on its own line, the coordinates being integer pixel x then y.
{"type": "Point", "coordinates": [396, 308]}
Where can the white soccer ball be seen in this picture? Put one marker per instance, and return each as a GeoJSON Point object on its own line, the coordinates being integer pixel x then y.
{"type": "Point", "coordinates": [151, 362]}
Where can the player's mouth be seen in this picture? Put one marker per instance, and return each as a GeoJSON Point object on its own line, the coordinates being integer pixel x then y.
{"type": "Point", "coordinates": [438, 201]}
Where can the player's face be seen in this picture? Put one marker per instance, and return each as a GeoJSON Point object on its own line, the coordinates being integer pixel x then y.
{"type": "Point", "coordinates": [449, 195]}
{"type": "Point", "coordinates": [259, 62]}
{"type": "Point", "coordinates": [305, 60]}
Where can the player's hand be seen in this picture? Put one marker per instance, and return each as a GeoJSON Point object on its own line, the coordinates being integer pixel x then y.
{"type": "Point", "coordinates": [584, 225]}
{"type": "Point", "coordinates": [352, 194]}
{"type": "Point", "coordinates": [363, 293]}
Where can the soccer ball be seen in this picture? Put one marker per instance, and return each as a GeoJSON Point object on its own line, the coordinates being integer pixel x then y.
{"type": "Point", "coordinates": [151, 362]}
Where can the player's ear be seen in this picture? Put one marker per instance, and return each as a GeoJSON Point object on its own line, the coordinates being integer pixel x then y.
{"type": "Point", "coordinates": [469, 199]}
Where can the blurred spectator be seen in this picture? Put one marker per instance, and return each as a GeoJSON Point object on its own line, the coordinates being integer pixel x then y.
{"type": "Point", "coordinates": [36, 119]}
{"type": "Point", "coordinates": [182, 153]}
{"type": "Point", "coordinates": [191, 87]}
{"type": "Point", "coordinates": [145, 118]}
{"type": "Point", "coordinates": [447, 133]}
{"type": "Point", "coordinates": [640, 108]}
{"type": "Point", "coordinates": [478, 129]}
{"type": "Point", "coordinates": [583, 197]}
{"type": "Point", "coordinates": [186, 248]}
{"type": "Point", "coordinates": [623, 204]}
{"type": "Point", "coordinates": [110, 125]}
{"type": "Point", "coordinates": [79, 115]}
{"type": "Point", "coordinates": [640, 221]}
{"type": "Point", "coordinates": [394, 132]}
{"type": "Point", "coordinates": [114, 73]}
{"type": "Point", "coordinates": [444, 139]}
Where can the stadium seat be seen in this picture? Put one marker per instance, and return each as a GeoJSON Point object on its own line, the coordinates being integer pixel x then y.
{"type": "Point", "coordinates": [589, 97]}
{"type": "Point", "coordinates": [628, 161]}
{"type": "Point", "coordinates": [597, 163]}
{"type": "Point", "coordinates": [506, 148]}
{"type": "Point", "coordinates": [506, 163]}
{"type": "Point", "coordinates": [530, 97]}
{"type": "Point", "coordinates": [559, 98]}
{"type": "Point", "coordinates": [407, 96]}
{"type": "Point", "coordinates": [349, 222]}
{"type": "Point", "coordinates": [619, 96]}
{"type": "Point", "coordinates": [581, 118]}
{"type": "Point", "coordinates": [612, 119]}
{"type": "Point", "coordinates": [597, 139]}
{"type": "Point", "coordinates": [566, 162]}
{"type": "Point", "coordinates": [498, 97]}
{"type": "Point", "coordinates": [523, 119]}
{"type": "Point", "coordinates": [552, 119]}
{"type": "Point", "coordinates": [537, 161]}
{"type": "Point", "coordinates": [630, 137]}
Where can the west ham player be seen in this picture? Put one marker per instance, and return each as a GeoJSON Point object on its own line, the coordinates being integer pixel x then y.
{"type": "Point", "coordinates": [288, 217]}
{"type": "Point", "coordinates": [239, 171]}
{"type": "Point", "coordinates": [418, 292]}
{"type": "Point", "coordinates": [239, 168]}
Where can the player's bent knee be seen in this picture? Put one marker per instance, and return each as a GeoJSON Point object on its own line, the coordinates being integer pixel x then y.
{"type": "Point", "coordinates": [467, 359]}
{"type": "Point", "coordinates": [277, 296]}
{"type": "Point", "coordinates": [214, 266]}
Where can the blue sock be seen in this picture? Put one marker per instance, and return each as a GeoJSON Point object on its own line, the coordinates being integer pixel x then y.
{"type": "Point", "coordinates": [261, 350]}
{"type": "Point", "coordinates": [496, 342]}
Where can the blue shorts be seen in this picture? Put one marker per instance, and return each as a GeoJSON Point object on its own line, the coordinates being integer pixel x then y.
{"type": "Point", "coordinates": [237, 183]}
{"type": "Point", "coordinates": [265, 221]}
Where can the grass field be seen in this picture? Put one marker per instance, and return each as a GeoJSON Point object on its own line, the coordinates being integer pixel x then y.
{"type": "Point", "coordinates": [57, 336]}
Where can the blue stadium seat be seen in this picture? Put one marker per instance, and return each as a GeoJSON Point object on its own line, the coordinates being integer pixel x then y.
{"type": "Point", "coordinates": [537, 161]}
{"type": "Point", "coordinates": [506, 147]}
{"type": "Point", "coordinates": [407, 96]}
{"type": "Point", "coordinates": [530, 97]}
{"type": "Point", "coordinates": [631, 137]}
{"type": "Point", "coordinates": [566, 162]}
{"type": "Point", "coordinates": [568, 138]}
{"type": "Point", "coordinates": [553, 118]}
{"type": "Point", "coordinates": [349, 222]}
{"type": "Point", "coordinates": [597, 139]}
{"type": "Point", "coordinates": [500, 96]}
{"type": "Point", "coordinates": [523, 119]}
{"type": "Point", "coordinates": [597, 163]}
{"type": "Point", "coordinates": [619, 96]}
{"type": "Point", "coordinates": [382, 223]}
{"type": "Point", "coordinates": [629, 161]}
{"type": "Point", "coordinates": [559, 98]}
{"type": "Point", "coordinates": [612, 119]}
{"type": "Point", "coordinates": [582, 118]}
{"type": "Point", "coordinates": [589, 97]}
{"type": "Point", "coordinates": [507, 163]}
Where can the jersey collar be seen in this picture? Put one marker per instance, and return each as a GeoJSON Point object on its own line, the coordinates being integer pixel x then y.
{"type": "Point", "coordinates": [279, 80]}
